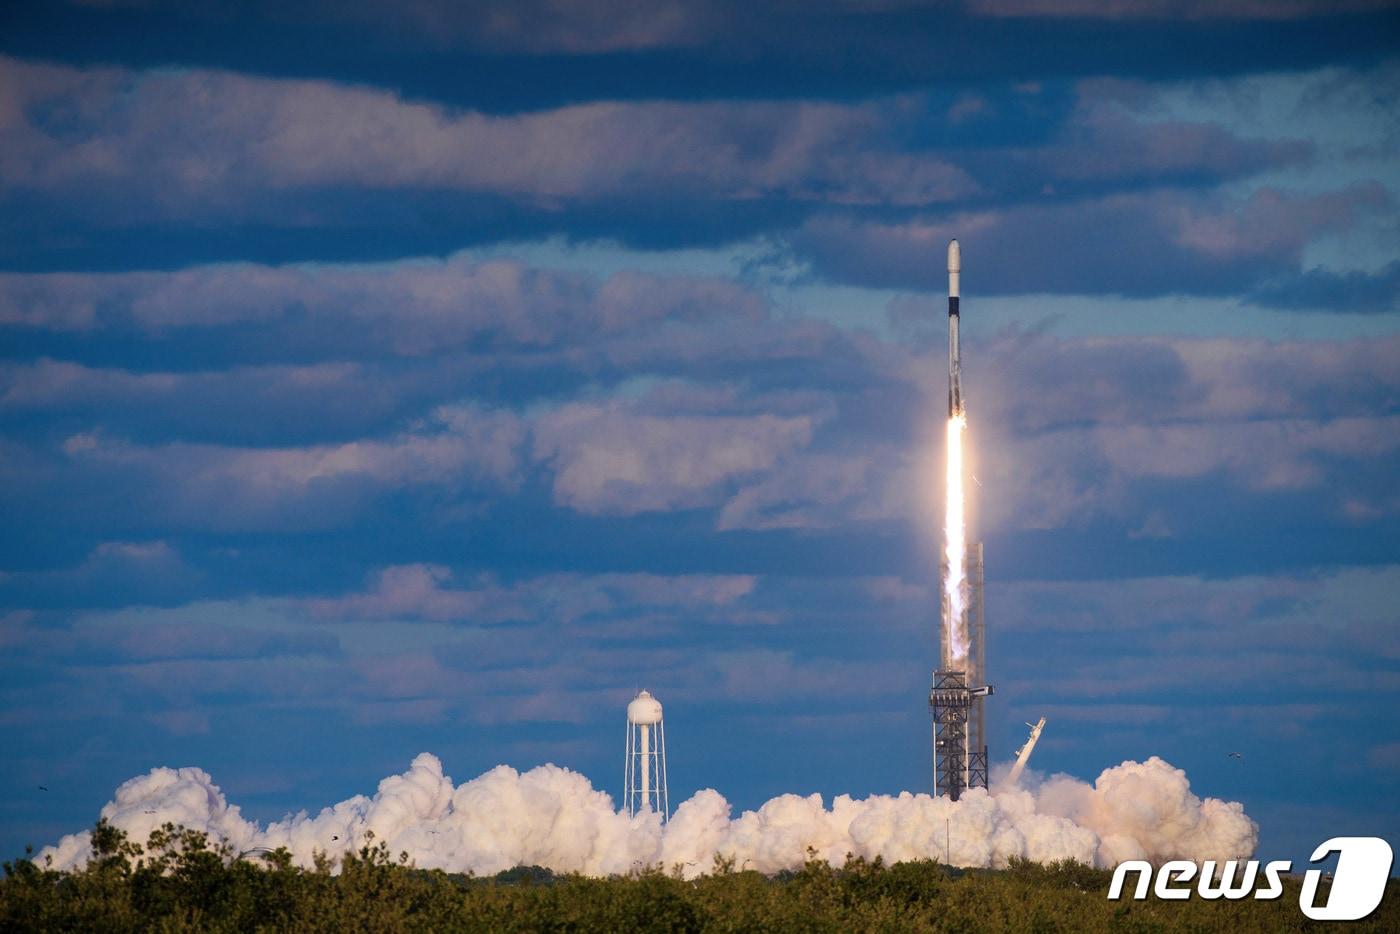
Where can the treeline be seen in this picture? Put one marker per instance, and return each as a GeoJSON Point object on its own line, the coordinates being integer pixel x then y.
{"type": "Point", "coordinates": [179, 881]}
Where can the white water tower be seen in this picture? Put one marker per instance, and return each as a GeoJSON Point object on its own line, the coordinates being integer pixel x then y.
{"type": "Point", "coordinates": [645, 787]}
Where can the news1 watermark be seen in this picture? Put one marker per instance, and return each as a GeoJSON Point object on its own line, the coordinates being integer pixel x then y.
{"type": "Point", "coordinates": [1358, 883]}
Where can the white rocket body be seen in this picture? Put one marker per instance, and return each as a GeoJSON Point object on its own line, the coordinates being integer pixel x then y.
{"type": "Point", "coordinates": [955, 399]}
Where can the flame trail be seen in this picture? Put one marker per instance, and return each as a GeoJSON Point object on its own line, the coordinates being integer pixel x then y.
{"type": "Point", "coordinates": [955, 637]}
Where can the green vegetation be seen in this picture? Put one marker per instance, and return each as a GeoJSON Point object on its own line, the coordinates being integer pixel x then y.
{"type": "Point", "coordinates": [178, 881]}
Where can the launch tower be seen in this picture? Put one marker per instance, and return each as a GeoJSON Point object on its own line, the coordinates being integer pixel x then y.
{"type": "Point", "coordinates": [958, 699]}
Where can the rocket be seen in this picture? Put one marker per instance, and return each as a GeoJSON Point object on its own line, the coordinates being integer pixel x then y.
{"type": "Point", "coordinates": [955, 399]}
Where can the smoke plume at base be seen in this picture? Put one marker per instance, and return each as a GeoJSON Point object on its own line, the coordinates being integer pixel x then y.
{"type": "Point", "coordinates": [553, 817]}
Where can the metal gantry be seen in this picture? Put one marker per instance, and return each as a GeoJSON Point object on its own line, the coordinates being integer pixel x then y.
{"type": "Point", "coordinates": [958, 765]}
{"type": "Point", "coordinates": [958, 698]}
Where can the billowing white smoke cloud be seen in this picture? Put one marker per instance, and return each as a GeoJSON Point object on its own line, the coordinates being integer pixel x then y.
{"type": "Point", "coordinates": [553, 817]}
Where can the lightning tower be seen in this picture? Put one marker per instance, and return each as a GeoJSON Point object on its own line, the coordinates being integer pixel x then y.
{"type": "Point", "coordinates": [959, 687]}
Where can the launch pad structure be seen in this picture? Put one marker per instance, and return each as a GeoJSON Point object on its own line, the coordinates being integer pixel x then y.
{"type": "Point", "coordinates": [958, 699]}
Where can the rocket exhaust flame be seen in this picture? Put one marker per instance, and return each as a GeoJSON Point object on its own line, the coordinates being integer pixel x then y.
{"type": "Point", "coordinates": [955, 636]}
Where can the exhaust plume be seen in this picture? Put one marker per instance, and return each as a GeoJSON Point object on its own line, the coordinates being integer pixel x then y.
{"type": "Point", "coordinates": [955, 639]}
{"type": "Point", "coordinates": [553, 817]}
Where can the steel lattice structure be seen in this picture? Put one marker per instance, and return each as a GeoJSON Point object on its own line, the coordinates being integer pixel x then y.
{"type": "Point", "coordinates": [958, 699]}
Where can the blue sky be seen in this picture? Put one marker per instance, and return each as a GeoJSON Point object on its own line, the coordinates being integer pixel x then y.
{"type": "Point", "coordinates": [378, 378]}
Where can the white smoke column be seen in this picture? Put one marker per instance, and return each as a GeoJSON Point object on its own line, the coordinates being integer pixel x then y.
{"type": "Point", "coordinates": [1145, 810]}
{"type": "Point", "coordinates": [554, 818]}
{"type": "Point", "coordinates": [955, 636]}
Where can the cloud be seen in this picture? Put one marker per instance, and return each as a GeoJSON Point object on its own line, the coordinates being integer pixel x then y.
{"type": "Point", "coordinates": [1245, 648]}
{"type": "Point", "coordinates": [113, 571]}
{"type": "Point", "coordinates": [1078, 430]}
{"type": "Point", "coordinates": [264, 405]}
{"type": "Point", "coordinates": [1177, 9]}
{"type": "Point", "coordinates": [1077, 477]}
{"type": "Point", "coordinates": [585, 169]}
{"type": "Point", "coordinates": [538, 27]}
{"type": "Point", "coordinates": [1224, 612]}
{"type": "Point", "coordinates": [460, 448]}
{"type": "Point", "coordinates": [402, 651]}
{"type": "Point", "coordinates": [414, 591]}
{"type": "Point", "coordinates": [849, 482]}
{"type": "Point", "coordinates": [144, 138]}
{"type": "Point", "coordinates": [1354, 291]}
{"type": "Point", "coordinates": [1280, 455]}
{"type": "Point", "coordinates": [1130, 244]}
{"type": "Point", "coordinates": [419, 591]}
{"type": "Point", "coordinates": [611, 460]}
{"type": "Point", "coordinates": [1144, 381]}
{"type": "Point", "coordinates": [413, 308]}
{"type": "Point", "coordinates": [1069, 430]}
{"type": "Point", "coordinates": [1128, 190]}
{"type": "Point", "coordinates": [762, 675]}
{"type": "Point", "coordinates": [535, 26]}
{"type": "Point", "coordinates": [194, 640]}
{"type": "Point", "coordinates": [541, 52]}
{"type": "Point", "coordinates": [1117, 134]}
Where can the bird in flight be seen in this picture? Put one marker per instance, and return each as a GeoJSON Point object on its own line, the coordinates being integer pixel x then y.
{"type": "Point", "coordinates": [1236, 755]}
{"type": "Point", "coordinates": [42, 788]}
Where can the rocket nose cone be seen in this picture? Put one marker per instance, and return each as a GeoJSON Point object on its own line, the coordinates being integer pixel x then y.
{"type": "Point", "coordinates": [954, 257]}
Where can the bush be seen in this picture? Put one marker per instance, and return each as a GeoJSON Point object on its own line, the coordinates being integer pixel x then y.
{"type": "Point", "coordinates": [179, 881]}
